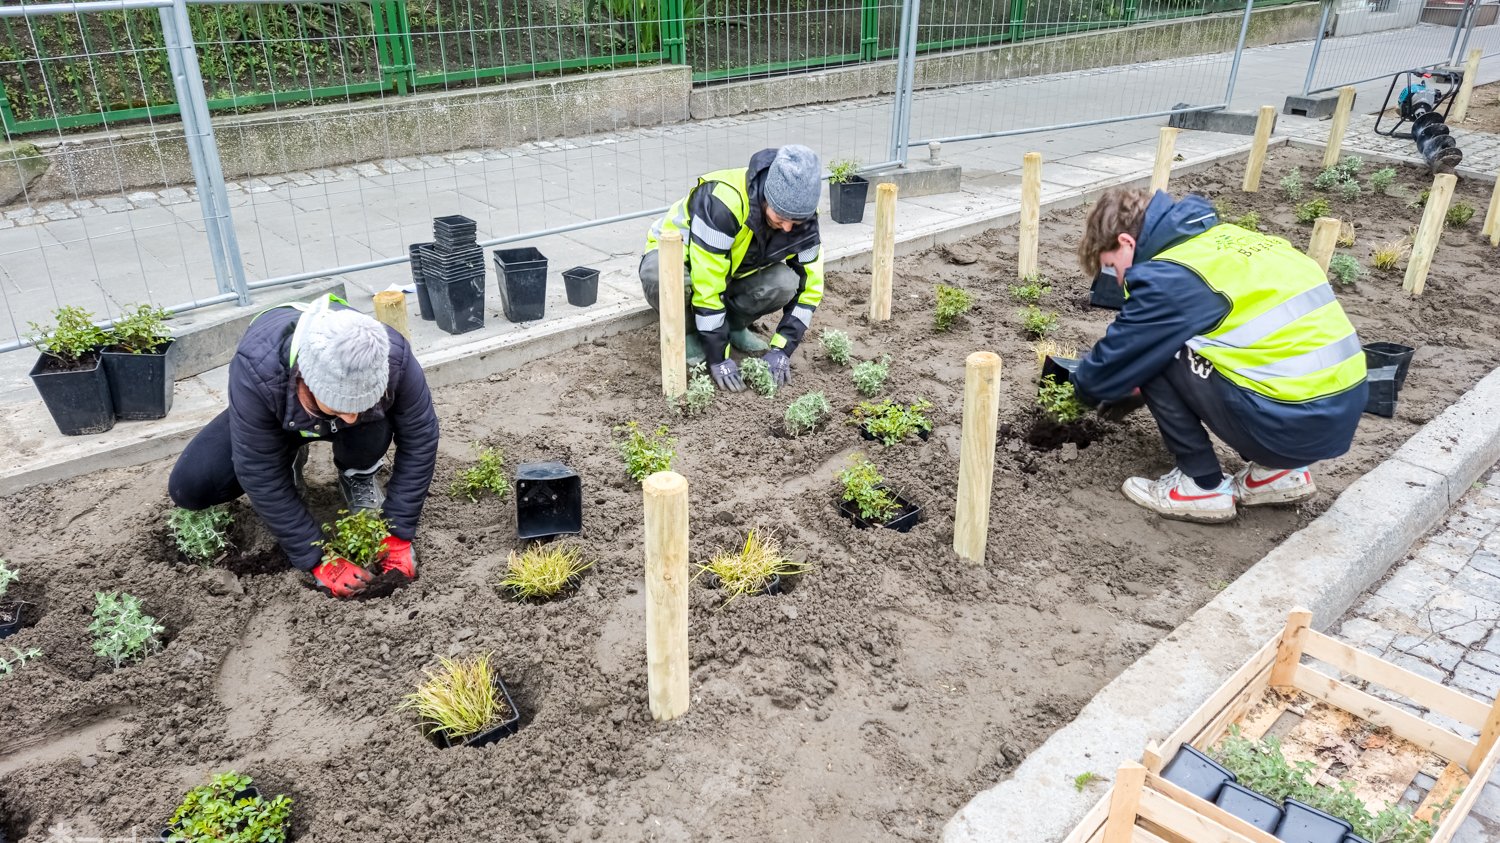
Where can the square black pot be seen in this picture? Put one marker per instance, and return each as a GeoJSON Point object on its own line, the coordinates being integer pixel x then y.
{"type": "Point", "coordinates": [1305, 824]}
{"type": "Point", "coordinates": [78, 399]}
{"type": "Point", "coordinates": [1249, 806]}
{"type": "Point", "coordinates": [846, 201]}
{"type": "Point", "coordinates": [140, 385]}
{"type": "Point", "coordinates": [10, 619]}
{"type": "Point", "coordinates": [1383, 390]}
{"type": "Point", "coordinates": [424, 302]}
{"type": "Point", "coordinates": [1107, 292]}
{"type": "Point", "coordinates": [582, 284]}
{"type": "Point", "coordinates": [549, 500]}
{"type": "Point", "coordinates": [1378, 355]}
{"type": "Point", "coordinates": [905, 518]}
{"type": "Point", "coordinates": [457, 303]}
{"type": "Point", "coordinates": [523, 283]}
{"type": "Point", "coordinates": [454, 231]}
{"type": "Point", "coordinates": [1060, 369]}
{"type": "Point", "coordinates": [489, 736]}
{"type": "Point", "coordinates": [1196, 773]}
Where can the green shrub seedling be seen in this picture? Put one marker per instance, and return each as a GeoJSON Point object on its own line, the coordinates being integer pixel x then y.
{"type": "Point", "coordinates": [1348, 190]}
{"type": "Point", "coordinates": [758, 376]}
{"type": "Point", "coordinates": [1291, 185]}
{"type": "Point", "coordinates": [870, 375]}
{"type": "Point", "coordinates": [18, 659]}
{"type": "Point", "coordinates": [1329, 178]}
{"type": "Point", "coordinates": [486, 475]}
{"type": "Point", "coordinates": [200, 533]}
{"type": "Point", "coordinates": [700, 392]}
{"type": "Point", "coordinates": [890, 422]}
{"type": "Point", "coordinates": [216, 811]}
{"type": "Point", "coordinates": [644, 454]}
{"type": "Point", "coordinates": [122, 632]}
{"type": "Point", "coordinates": [1459, 214]}
{"type": "Point", "coordinates": [74, 336]}
{"type": "Point", "coordinates": [1250, 221]}
{"type": "Point", "coordinates": [8, 575]}
{"type": "Point", "coordinates": [354, 537]}
{"type": "Point", "coordinates": [1059, 402]}
{"type": "Point", "coordinates": [806, 413]}
{"type": "Point", "coordinates": [1310, 210]}
{"type": "Point", "coordinates": [840, 172]}
{"type": "Point", "coordinates": [1350, 165]}
{"type": "Point", "coordinates": [1345, 269]}
{"type": "Point", "coordinates": [141, 330]}
{"type": "Point", "coordinates": [1382, 179]}
{"type": "Point", "coordinates": [952, 302]}
{"type": "Point", "coordinates": [863, 486]}
{"type": "Point", "coordinates": [836, 345]}
{"type": "Point", "coordinates": [1037, 323]}
{"type": "Point", "coordinates": [1031, 289]}
{"type": "Point", "coordinates": [1083, 780]}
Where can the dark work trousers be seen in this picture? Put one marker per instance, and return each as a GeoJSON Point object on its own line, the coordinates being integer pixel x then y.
{"type": "Point", "coordinates": [204, 474]}
{"type": "Point", "coordinates": [1184, 399]}
{"type": "Point", "coordinates": [745, 299]}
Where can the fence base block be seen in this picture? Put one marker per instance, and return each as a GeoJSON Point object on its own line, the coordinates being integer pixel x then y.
{"type": "Point", "coordinates": [1318, 106]}
{"type": "Point", "coordinates": [1227, 122]}
{"type": "Point", "coordinates": [918, 178]}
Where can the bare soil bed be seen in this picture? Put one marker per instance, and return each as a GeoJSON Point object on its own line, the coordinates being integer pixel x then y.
{"type": "Point", "coordinates": [1484, 109]}
{"type": "Point", "coordinates": [887, 686]}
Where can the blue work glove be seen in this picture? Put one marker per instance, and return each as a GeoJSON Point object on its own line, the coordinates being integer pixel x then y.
{"type": "Point", "coordinates": [727, 375]}
{"type": "Point", "coordinates": [781, 366]}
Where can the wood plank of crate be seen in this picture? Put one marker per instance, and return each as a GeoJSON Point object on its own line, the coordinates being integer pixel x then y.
{"type": "Point", "coordinates": [1419, 689]}
{"type": "Point", "coordinates": [1208, 809]}
{"type": "Point", "coordinates": [1452, 779]}
{"type": "Point", "coordinates": [1244, 686]}
{"type": "Point", "coordinates": [1322, 726]}
{"type": "Point", "coordinates": [1124, 802]}
{"type": "Point", "coordinates": [1481, 777]}
{"type": "Point", "coordinates": [1382, 773]}
{"type": "Point", "coordinates": [1181, 820]}
{"type": "Point", "coordinates": [1090, 829]}
{"type": "Point", "coordinates": [1289, 654]}
{"type": "Point", "coordinates": [1381, 713]}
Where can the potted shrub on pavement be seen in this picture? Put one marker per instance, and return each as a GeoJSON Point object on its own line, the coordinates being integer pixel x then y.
{"type": "Point", "coordinates": [464, 702]}
{"type": "Point", "coordinates": [122, 632]}
{"type": "Point", "coordinates": [868, 502]}
{"type": "Point", "coordinates": [69, 374]}
{"type": "Point", "coordinates": [756, 568]}
{"type": "Point", "coordinates": [10, 613]}
{"type": "Point", "coordinates": [847, 191]}
{"type": "Point", "coordinates": [139, 364]}
{"type": "Point", "coordinates": [229, 808]}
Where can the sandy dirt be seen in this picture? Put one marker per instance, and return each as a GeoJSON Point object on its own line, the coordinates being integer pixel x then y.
{"type": "Point", "coordinates": [868, 702]}
{"type": "Point", "coordinates": [1484, 109]}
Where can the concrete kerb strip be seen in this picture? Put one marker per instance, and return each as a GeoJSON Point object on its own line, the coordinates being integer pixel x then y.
{"type": "Point", "coordinates": [1323, 567]}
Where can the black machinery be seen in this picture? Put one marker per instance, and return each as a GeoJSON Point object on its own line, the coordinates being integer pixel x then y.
{"type": "Point", "coordinates": [1423, 103]}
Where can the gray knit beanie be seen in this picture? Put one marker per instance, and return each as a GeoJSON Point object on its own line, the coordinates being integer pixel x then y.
{"type": "Point", "coordinates": [344, 360]}
{"type": "Point", "coordinates": [794, 182]}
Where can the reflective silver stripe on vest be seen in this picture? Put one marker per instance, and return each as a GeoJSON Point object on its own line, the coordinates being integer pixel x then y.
{"type": "Point", "coordinates": [712, 237]}
{"type": "Point", "coordinates": [1269, 322]}
{"type": "Point", "coordinates": [1305, 364]}
{"type": "Point", "coordinates": [808, 256]}
{"type": "Point", "coordinates": [802, 313]}
{"type": "Point", "coordinates": [678, 221]}
{"type": "Point", "coordinates": [711, 322]}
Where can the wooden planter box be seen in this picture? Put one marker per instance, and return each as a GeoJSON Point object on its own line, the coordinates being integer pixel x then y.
{"type": "Point", "coordinates": [1142, 806]}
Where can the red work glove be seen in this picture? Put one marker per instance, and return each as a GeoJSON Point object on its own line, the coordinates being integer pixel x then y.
{"type": "Point", "coordinates": [341, 578]}
{"type": "Point", "coordinates": [397, 555]}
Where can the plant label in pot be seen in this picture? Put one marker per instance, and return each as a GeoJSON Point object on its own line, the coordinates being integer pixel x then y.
{"type": "Point", "coordinates": [78, 398]}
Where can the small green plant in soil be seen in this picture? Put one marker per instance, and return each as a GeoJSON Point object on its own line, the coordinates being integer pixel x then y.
{"type": "Point", "coordinates": [862, 482]}
{"type": "Point", "coordinates": [1459, 214]}
{"type": "Point", "coordinates": [542, 571]}
{"type": "Point", "coordinates": [200, 533]}
{"type": "Point", "coordinates": [122, 632]}
{"type": "Point", "coordinates": [1348, 190]}
{"type": "Point", "coordinates": [1345, 269]}
{"type": "Point", "coordinates": [141, 330]}
{"type": "Point", "coordinates": [354, 537]}
{"type": "Point", "coordinates": [1329, 178]}
{"type": "Point", "coordinates": [1421, 200]}
{"type": "Point", "coordinates": [1038, 323]}
{"type": "Point", "coordinates": [1261, 766]}
{"type": "Point", "coordinates": [1388, 256]}
{"type": "Point", "coordinates": [870, 375]}
{"type": "Point", "coordinates": [1058, 401]}
{"type": "Point", "coordinates": [646, 454]}
{"type": "Point", "coordinates": [459, 699]}
{"type": "Point", "coordinates": [1350, 165]}
{"type": "Point", "coordinates": [1031, 289]}
{"type": "Point", "coordinates": [758, 376]}
{"type": "Point", "coordinates": [485, 475]}
{"type": "Point", "coordinates": [1083, 780]}
{"type": "Point", "coordinates": [806, 413]}
{"type": "Point", "coordinates": [74, 336]}
{"type": "Point", "coordinates": [1310, 210]}
{"type": "Point", "coordinates": [1382, 179]}
{"type": "Point", "coordinates": [18, 659]}
{"type": "Point", "coordinates": [890, 422]}
{"type": "Point", "coordinates": [840, 172]}
{"type": "Point", "coordinates": [1249, 220]}
{"type": "Point", "coordinates": [700, 392]}
{"type": "Point", "coordinates": [215, 811]}
{"type": "Point", "coordinates": [836, 345]}
{"type": "Point", "coordinates": [952, 302]}
{"type": "Point", "coordinates": [1291, 184]}
{"type": "Point", "coordinates": [751, 568]}
{"type": "Point", "coordinates": [8, 575]}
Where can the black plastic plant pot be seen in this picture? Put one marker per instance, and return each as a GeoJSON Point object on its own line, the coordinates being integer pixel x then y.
{"type": "Point", "coordinates": [1107, 292]}
{"type": "Point", "coordinates": [582, 284]}
{"type": "Point", "coordinates": [141, 384]}
{"type": "Point", "coordinates": [1061, 369]}
{"type": "Point", "coordinates": [846, 201]}
{"type": "Point", "coordinates": [454, 231]}
{"type": "Point", "coordinates": [458, 304]}
{"type": "Point", "coordinates": [905, 518]}
{"type": "Point", "coordinates": [1305, 824]}
{"type": "Point", "coordinates": [864, 431]}
{"type": "Point", "coordinates": [10, 619]}
{"type": "Point", "coordinates": [1378, 355]}
{"type": "Point", "coordinates": [549, 500]}
{"type": "Point", "coordinates": [78, 399]}
{"type": "Point", "coordinates": [1249, 806]}
{"type": "Point", "coordinates": [1196, 773]}
{"type": "Point", "coordinates": [247, 793]}
{"type": "Point", "coordinates": [772, 586]}
{"type": "Point", "coordinates": [488, 736]}
{"type": "Point", "coordinates": [523, 283]}
{"type": "Point", "coordinates": [1351, 837]}
{"type": "Point", "coordinates": [424, 301]}
{"type": "Point", "coordinates": [1383, 390]}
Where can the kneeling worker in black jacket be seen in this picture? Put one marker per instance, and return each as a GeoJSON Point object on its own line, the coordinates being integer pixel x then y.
{"type": "Point", "coordinates": [308, 373]}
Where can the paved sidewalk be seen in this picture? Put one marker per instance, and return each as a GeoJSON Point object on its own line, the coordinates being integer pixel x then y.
{"type": "Point", "coordinates": [1481, 149]}
{"type": "Point", "coordinates": [1438, 615]}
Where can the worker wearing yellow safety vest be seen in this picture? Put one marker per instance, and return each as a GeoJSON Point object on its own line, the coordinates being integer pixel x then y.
{"type": "Point", "coordinates": [1226, 329]}
{"type": "Point", "coordinates": [751, 245]}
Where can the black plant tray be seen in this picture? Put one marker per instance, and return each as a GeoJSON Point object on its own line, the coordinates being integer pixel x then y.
{"type": "Point", "coordinates": [773, 585]}
{"type": "Point", "coordinates": [1196, 773]}
{"type": "Point", "coordinates": [10, 619]}
{"type": "Point", "coordinates": [247, 793]}
{"type": "Point", "coordinates": [1305, 824]}
{"type": "Point", "coordinates": [454, 230]}
{"type": "Point", "coordinates": [1061, 369]}
{"type": "Point", "coordinates": [906, 518]}
{"type": "Point", "coordinates": [489, 736]}
{"type": "Point", "coordinates": [1249, 806]}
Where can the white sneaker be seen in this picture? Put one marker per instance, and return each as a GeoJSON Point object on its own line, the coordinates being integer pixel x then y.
{"type": "Point", "coordinates": [1176, 496]}
{"type": "Point", "coordinates": [1255, 486]}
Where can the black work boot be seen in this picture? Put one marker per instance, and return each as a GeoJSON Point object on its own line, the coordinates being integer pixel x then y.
{"type": "Point", "coordinates": [361, 488]}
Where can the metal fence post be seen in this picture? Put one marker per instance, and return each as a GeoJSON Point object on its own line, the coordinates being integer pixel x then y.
{"type": "Point", "coordinates": [1312, 63]}
{"type": "Point", "coordinates": [906, 73]}
{"type": "Point", "coordinates": [1239, 52]}
{"type": "Point", "coordinates": [673, 31]}
{"type": "Point", "coordinates": [393, 45]}
{"type": "Point", "coordinates": [869, 30]}
{"type": "Point", "coordinates": [1017, 20]}
{"type": "Point", "coordinates": [1468, 26]}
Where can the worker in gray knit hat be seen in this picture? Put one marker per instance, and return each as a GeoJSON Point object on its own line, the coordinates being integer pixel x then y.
{"type": "Point", "coordinates": [751, 247]}
{"type": "Point", "coordinates": [319, 372]}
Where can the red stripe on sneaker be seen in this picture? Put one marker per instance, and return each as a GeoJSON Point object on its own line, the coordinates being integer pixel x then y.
{"type": "Point", "coordinates": [1174, 495]}
{"type": "Point", "coordinates": [1252, 483]}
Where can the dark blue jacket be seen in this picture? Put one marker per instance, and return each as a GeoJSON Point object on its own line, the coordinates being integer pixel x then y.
{"type": "Point", "coordinates": [266, 420]}
{"type": "Point", "coordinates": [1168, 304]}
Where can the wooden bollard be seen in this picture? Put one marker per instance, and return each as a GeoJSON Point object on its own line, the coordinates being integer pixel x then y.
{"type": "Point", "coordinates": [1124, 803]}
{"type": "Point", "coordinates": [976, 455]}
{"type": "Point", "coordinates": [1289, 650]}
{"type": "Point", "coordinates": [1337, 127]}
{"type": "Point", "coordinates": [390, 308]}
{"type": "Point", "coordinates": [670, 304]}
{"type": "Point", "coordinates": [1325, 235]}
{"type": "Point", "coordinates": [1257, 161]}
{"type": "Point", "coordinates": [1428, 233]}
{"type": "Point", "coordinates": [1031, 214]}
{"type": "Point", "coordinates": [1466, 89]}
{"type": "Point", "coordinates": [1166, 150]}
{"type": "Point", "coordinates": [883, 261]}
{"type": "Point", "coordinates": [1492, 216]}
{"type": "Point", "coordinates": [666, 497]}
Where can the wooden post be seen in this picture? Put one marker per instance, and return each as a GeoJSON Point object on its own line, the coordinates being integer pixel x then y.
{"type": "Point", "coordinates": [1486, 737]}
{"type": "Point", "coordinates": [883, 262]}
{"type": "Point", "coordinates": [1340, 123]}
{"type": "Point", "coordinates": [1428, 233]}
{"type": "Point", "coordinates": [666, 496]}
{"type": "Point", "coordinates": [390, 308]}
{"type": "Point", "coordinates": [1031, 214]}
{"type": "Point", "coordinates": [1289, 651]}
{"type": "Point", "coordinates": [1466, 88]}
{"type": "Point", "coordinates": [670, 306]}
{"type": "Point", "coordinates": [1124, 803]}
{"type": "Point", "coordinates": [1325, 236]}
{"type": "Point", "coordinates": [1257, 161]}
{"type": "Point", "coordinates": [1492, 216]}
{"type": "Point", "coordinates": [976, 455]}
{"type": "Point", "coordinates": [1166, 150]}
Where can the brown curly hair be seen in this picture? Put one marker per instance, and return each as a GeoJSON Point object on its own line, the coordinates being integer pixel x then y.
{"type": "Point", "coordinates": [1120, 210]}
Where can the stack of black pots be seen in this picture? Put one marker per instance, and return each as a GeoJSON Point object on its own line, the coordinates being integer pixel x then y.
{"type": "Point", "coordinates": [449, 274]}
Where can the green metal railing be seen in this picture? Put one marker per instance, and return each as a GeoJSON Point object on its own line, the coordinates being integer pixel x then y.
{"type": "Point", "coordinates": [65, 72]}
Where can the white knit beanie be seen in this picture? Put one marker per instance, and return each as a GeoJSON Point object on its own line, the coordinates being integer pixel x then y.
{"type": "Point", "coordinates": [345, 360]}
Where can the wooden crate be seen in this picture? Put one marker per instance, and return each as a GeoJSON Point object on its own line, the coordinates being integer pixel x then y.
{"type": "Point", "coordinates": [1142, 806]}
